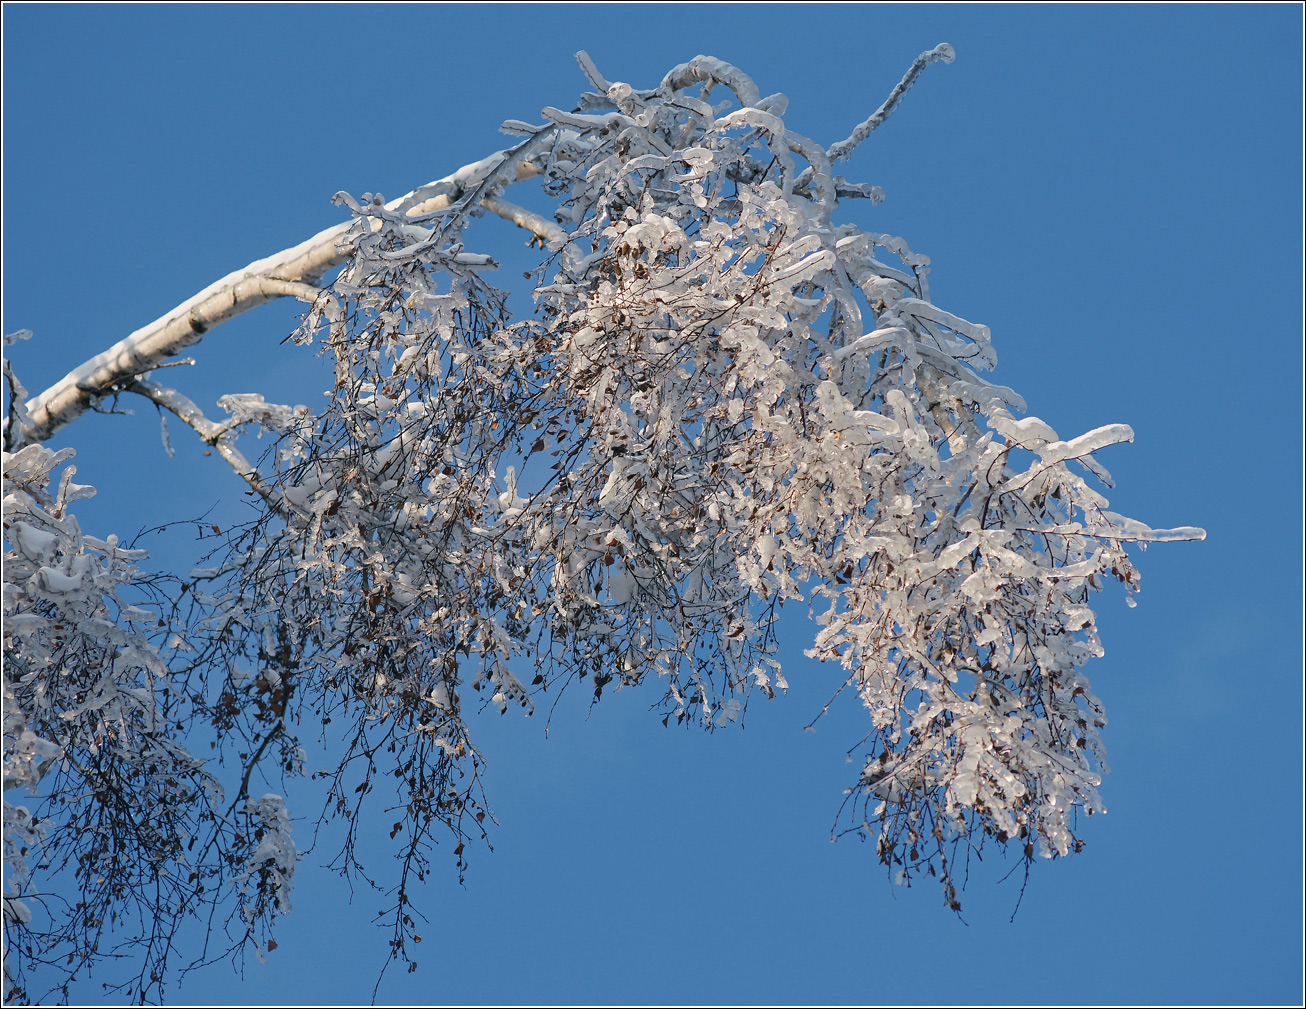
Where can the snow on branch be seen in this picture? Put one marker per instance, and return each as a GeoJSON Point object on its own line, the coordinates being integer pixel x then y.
{"type": "Point", "coordinates": [943, 51]}
{"type": "Point", "coordinates": [111, 795]}
{"type": "Point", "coordinates": [218, 435]}
{"type": "Point", "coordinates": [725, 403]}
{"type": "Point", "coordinates": [703, 69]}
{"type": "Point", "coordinates": [289, 273]}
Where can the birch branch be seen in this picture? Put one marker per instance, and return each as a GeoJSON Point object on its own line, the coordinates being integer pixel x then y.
{"type": "Point", "coordinates": [705, 69]}
{"type": "Point", "coordinates": [289, 273]}
{"type": "Point", "coordinates": [591, 72]}
{"type": "Point", "coordinates": [843, 148]}
{"type": "Point", "coordinates": [211, 433]}
{"type": "Point", "coordinates": [543, 228]}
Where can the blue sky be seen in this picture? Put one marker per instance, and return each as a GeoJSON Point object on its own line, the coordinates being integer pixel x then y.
{"type": "Point", "coordinates": [1116, 191]}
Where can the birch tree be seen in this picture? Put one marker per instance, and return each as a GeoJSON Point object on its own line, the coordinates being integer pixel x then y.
{"type": "Point", "coordinates": [726, 403]}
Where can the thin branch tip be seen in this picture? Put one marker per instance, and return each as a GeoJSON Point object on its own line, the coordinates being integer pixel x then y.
{"type": "Point", "coordinates": [591, 71]}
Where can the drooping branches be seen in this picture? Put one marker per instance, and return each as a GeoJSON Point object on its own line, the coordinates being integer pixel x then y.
{"type": "Point", "coordinates": [120, 823]}
{"type": "Point", "coordinates": [698, 424]}
{"type": "Point", "coordinates": [727, 401]}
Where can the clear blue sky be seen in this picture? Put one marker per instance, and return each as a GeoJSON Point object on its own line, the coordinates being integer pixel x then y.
{"type": "Point", "coordinates": [1115, 191]}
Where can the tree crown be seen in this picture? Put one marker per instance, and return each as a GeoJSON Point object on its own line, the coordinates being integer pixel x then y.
{"type": "Point", "coordinates": [727, 401]}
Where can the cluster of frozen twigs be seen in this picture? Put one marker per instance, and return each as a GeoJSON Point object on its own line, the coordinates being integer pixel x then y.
{"type": "Point", "coordinates": [726, 401]}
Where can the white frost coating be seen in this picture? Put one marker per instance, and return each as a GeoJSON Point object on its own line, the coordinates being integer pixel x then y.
{"type": "Point", "coordinates": [591, 71]}
{"type": "Point", "coordinates": [85, 734]}
{"type": "Point", "coordinates": [1098, 438]}
{"type": "Point", "coordinates": [708, 68]}
{"type": "Point", "coordinates": [1132, 529]}
{"type": "Point", "coordinates": [34, 544]}
{"type": "Point", "coordinates": [1056, 453]}
{"type": "Point", "coordinates": [250, 407]}
{"type": "Point", "coordinates": [943, 51]}
{"type": "Point", "coordinates": [1028, 432]}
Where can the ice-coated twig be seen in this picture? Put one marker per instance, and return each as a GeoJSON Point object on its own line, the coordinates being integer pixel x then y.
{"type": "Point", "coordinates": [943, 51]}
{"type": "Point", "coordinates": [543, 229]}
{"type": "Point", "coordinates": [503, 172]}
{"type": "Point", "coordinates": [591, 71]}
{"type": "Point", "coordinates": [211, 433]}
{"type": "Point", "coordinates": [819, 165]}
{"type": "Point", "coordinates": [707, 69]}
{"type": "Point", "coordinates": [16, 415]}
{"type": "Point", "coordinates": [289, 273]}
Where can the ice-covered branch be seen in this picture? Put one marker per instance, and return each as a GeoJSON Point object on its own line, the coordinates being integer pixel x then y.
{"type": "Point", "coordinates": [89, 717]}
{"type": "Point", "coordinates": [745, 407]}
{"type": "Point", "coordinates": [280, 275]}
{"type": "Point", "coordinates": [942, 51]}
{"type": "Point", "coordinates": [541, 227]}
{"type": "Point", "coordinates": [591, 71]}
{"type": "Point", "coordinates": [704, 69]}
{"type": "Point", "coordinates": [289, 273]}
{"type": "Point", "coordinates": [212, 433]}
{"type": "Point", "coordinates": [16, 414]}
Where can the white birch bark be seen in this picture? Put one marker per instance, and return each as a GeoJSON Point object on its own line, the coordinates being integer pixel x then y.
{"type": "Point", "coordinates": [292, 272]}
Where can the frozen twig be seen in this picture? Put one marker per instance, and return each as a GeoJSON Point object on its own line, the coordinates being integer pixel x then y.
{"type": "Point", "coordinates": [591, 71]}
{"type": "Point", "coordinates": [942, 51]}
{"type": "Point", "coordinates": [289, 273]}
{"type": "Point", "coordinates": [706, 69]}
{"type": "Point", "coordinates": [211, 433]}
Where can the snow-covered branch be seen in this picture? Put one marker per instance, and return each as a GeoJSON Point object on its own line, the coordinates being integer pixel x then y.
{"type": "Point", "coordinates": [844, 148]}
{"type": "Point", "coordinates": [110, 793]}
{"type": "Point", "coordinates": [219, 436]}
{"type": "Point", "coordinates": [289, 273]}
{"type": "Point", "coordinates": [544, 229]}
{"type": "Point", "coordinates": [725, 402]}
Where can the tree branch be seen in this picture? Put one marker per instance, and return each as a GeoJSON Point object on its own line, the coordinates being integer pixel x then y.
{"type": "Point", "coordinates": [212, 433]}
{"type": "Point", "coordinates": [290, 272]}
{"type": "Point", "coordinates": [942, 51]}
{"type": "Point", "coordinates": [704, 69]}
{"type": "Point", "coordinates": [540, 226]}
